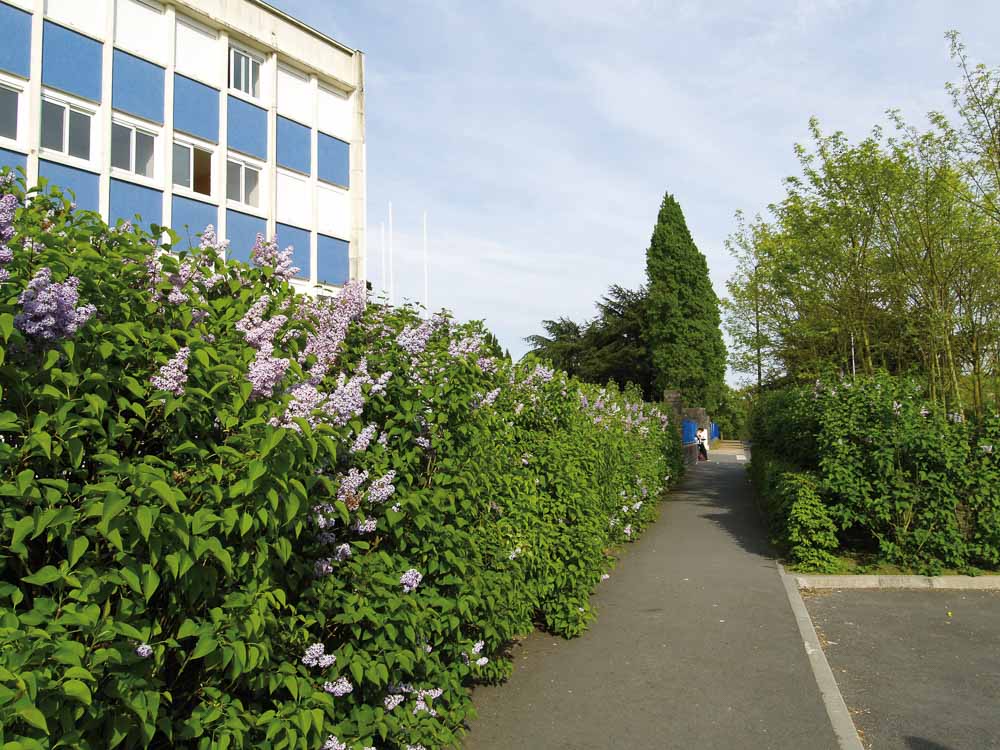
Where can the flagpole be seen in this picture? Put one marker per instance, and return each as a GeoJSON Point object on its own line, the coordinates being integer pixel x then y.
{"type": "Point", "coordinates": [392, 274]}
{"type": "Point", "coordinates": [427, 294]}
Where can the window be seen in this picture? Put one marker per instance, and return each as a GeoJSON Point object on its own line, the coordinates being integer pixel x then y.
{"type": "Point", "coordinates": [242, 183]}
{"type": "Point", "coordinates": [193, 168]}
{"type": "Point", "coordinates": [132, 149]}
{"type": "Point", "coordinates": [8, 112]}
{"type": "Point", "coordinates": [244, 72]}
{"type": "Point", "coordinates": [66, 129]}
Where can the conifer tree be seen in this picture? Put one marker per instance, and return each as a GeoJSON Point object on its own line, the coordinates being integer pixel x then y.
{"type": "Point", "coordinates": [685, 339]}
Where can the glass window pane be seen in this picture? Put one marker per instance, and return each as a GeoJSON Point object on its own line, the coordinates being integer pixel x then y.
{"type": "Point", "coordinates": [238, 62]}
{"type": "Point", "coordinates": [251, 180]}
{"type": "Point", "coordinates": [233, 181]}
{"type": "Point", "coordinates": [8, 112]}
{"type": "Point", "coordinates": [254, 78]}
{"type": "Point", "coordinates": [52, 125]}
{"type": "Point", "coordinates": [144, 143]}
{"type": "Point", "coordinates": [202, 177]}
{"type": "Point", "coordinates": [121, 146]}
{"type": "Point", "coordinates": [79, 134]}
{"type": "Point", "coordinates": [182, 165]}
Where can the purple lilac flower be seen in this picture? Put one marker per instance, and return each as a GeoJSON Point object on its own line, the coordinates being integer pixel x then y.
{"type": "Point", "coordinates": [478, 647]}
{"type": "Point", "coordinates": [342, 552]}
{"type": "Point", "coordinates": [144, 650]}
{"type": "Point", "coordinates": [364, 439]}
{"type": "Point", "coordinates": [266, 255]}
{"type": "Point", "coordinates": [349, 491]}
{"type": "Point", "coordinates": [323, 567]}
{"type": "Point", "coordinates": [258, 331]}
{"type": "Point", "coordinates": [367, 526]}
{"type": "Point", "coordinates": [605, 576]}
{"type": "Point", "coordinates": [422, 442]}
{"type": "Point", "coordinates": [49, 310]}
{"type": "Point", "coordinates": [392, 701]}
{"type": "Point", "coordinates": [482, 661]}
{"type": "Point", "coordinates": [315, 657]}
{"type": "Point", "coordinates": [306, 400]}
{"type": "Point", "coordinates": [415, 747]}
{"type": "Point", "coordinates": [266, 372]}
{"type": "Point", "coordinates": [341, 687]}
{"type": "Point", "coordinates": [325, 515]}
{"type": "Point", "coordinates": [413, 339]}
{"type": "Point", "coordinates": [332, 743]}
{"type": "Point", "coordinates": [329, 322]}
{"type": "Point", "coordinates": [628, 530]}
{"type": "Point", "coordinates": [383, 438]}
{"type": "Point", "coordinates": [466, 346]}
{"type": "Point", "coordinates": [382, 488]}
{"type": "Point", "coordinates": [410, 580]}
{"type": "Point", "coordinates": [173, 376]}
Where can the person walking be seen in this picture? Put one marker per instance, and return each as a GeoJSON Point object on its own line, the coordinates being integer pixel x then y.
{"type": "Point", "coordinates": [702, 437]}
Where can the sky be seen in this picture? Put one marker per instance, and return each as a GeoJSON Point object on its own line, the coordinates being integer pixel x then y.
{"type": "Point", "coordinates": [541, 135]}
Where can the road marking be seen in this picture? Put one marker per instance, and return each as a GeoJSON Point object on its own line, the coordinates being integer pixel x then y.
{"type": "Point", "coordinates": [836, 709]}
{"type": "Point", "coordinates": [741, 457]}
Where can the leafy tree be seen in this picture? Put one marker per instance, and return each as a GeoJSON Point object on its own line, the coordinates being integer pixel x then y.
{"type": "Point", "coordinates": [685, 339]}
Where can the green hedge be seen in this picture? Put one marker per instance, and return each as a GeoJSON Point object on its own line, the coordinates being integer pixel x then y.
{"type": "Point", "coordinates": [882, 468]}
{"type": "Point", "coordinates": [236, 517]}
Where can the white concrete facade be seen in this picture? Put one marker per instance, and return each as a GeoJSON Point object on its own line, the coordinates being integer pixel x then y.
{"type": "Point", "coordinates": [295, 73]}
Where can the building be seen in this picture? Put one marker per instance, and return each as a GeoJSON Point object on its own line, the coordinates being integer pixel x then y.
{"type": "Point", "coordinates": [189, 113]}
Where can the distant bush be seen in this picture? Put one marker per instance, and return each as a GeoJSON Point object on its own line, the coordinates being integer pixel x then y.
{"type": "Point", "coordinates": [237, 517]}
{"type": "Point", "coordinates": [893, 474]}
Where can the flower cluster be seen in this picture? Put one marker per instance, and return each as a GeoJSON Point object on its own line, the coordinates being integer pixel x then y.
{"type": "Point", "coordinates": [410, 580]}
{"type": "Point", "coordinates": [315, 656]}
{"type": "Point", "coordinates": [266, 255]}
{"type": "Point", "coordinates": [173, 376]}
{"type": "Point", "coordinates": [49, 308]}
{"type": "Point", "coordinates": [340, 687]}
{"type": "Point", "coordinates": [144, 650]}
{"type": "Point", "coordinates": [382, 489]}
{"type": "Point", "coordinates": [8, 205]}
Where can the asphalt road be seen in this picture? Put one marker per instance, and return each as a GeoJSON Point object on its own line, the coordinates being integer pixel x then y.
{"type": "Point", "coordinates": [913, 677]}
{"type": "Point", "coordinates": [695, 646]}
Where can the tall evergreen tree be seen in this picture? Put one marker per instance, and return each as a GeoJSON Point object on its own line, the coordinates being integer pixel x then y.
{"type": "Point", "coordinates": [685, 339]}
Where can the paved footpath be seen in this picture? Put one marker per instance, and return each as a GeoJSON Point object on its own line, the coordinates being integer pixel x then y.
{"type": "Point", "coordinates": [695, 645]}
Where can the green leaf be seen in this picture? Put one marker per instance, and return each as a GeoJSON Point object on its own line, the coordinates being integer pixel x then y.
{"type": "Point", "coordinates": [6, 326]}
{"type": "Point", "coordinates": [166, 494]}
{"type": "Point", "coordinates": [43, 577]}
{"type": "Point", "coordinates": [76, 549]}
{"type": "Point", "coordinates": [77, 690]}
{"type": "Point", "coordinates": [34, 717]}
{"type": "Point", "coordinates": [144, 520]}
{"type": "Point", "coordinates": [206, 644]}
{"type": "Point", "coordinates": [51, 357]}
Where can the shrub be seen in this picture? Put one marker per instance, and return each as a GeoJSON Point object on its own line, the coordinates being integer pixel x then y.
{"type": "Point", "coordinates": [893, 473]}
{"type": "Point", "coordinates": [236, 517]}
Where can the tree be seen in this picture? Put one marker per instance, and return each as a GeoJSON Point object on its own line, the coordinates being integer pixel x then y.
{"type": "Point", "coordinates": [685, 339]}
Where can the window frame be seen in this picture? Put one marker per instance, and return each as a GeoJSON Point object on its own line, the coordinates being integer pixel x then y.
{"type": "Point", "coordinates": [189, 191]}
{"type": "Point", "coordinates": [20, 87]}
{"type": "Point", "coordinates": [137, 126]}
{"type": "Point", "coordinates": [260, 167]}
{"type": "Point", "coordinates": [251, 57]}
{"type": "Point", "coordinates": [69, 105]}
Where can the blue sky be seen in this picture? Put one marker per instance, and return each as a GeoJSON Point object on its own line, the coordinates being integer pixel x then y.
{"type": "Point", "coordinates": [540, 135]}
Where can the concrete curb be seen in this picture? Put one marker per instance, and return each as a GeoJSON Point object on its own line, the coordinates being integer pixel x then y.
{"type": "Point", "coordinates": [989, 583]}
{"type": "Point", "coordinates": [836, 709]}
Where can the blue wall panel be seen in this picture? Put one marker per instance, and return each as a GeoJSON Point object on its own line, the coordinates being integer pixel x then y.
{"type": "Point", "coordinates": [196, 108]}
{"type": "Point", "coordinates": [247, 128]}
{"type": "Point", "coordinates": [333, 260]}
{"type": "Point", "coordinates": [189, 219]}
{"type": "Point", "coordinates": [71, 62]}
{"type": "Point", "coordinates": [294, 145]}
{"type": "Point", "coordinates": [334, 160]}
{"type": "Point", "coordinates": [242, 230]}
{"type": "Point", "coordinates": [299, 239]}
{"type": "Point", "coordinates": [85, 185]}
{"type": "Point", "coordinates": [689, 429]}
{"type": "Point", "coordinates": [13, 160]}
{"type": "Point", "coordinates": [15, 51]}
{"type": "Point", "coordinates": [128, 199]}
{"type": "Point", "coordinates": [137, 87]}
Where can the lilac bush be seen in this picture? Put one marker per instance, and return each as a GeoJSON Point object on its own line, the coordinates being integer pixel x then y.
{"type": "Point", "coordinates": [325, 533]}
